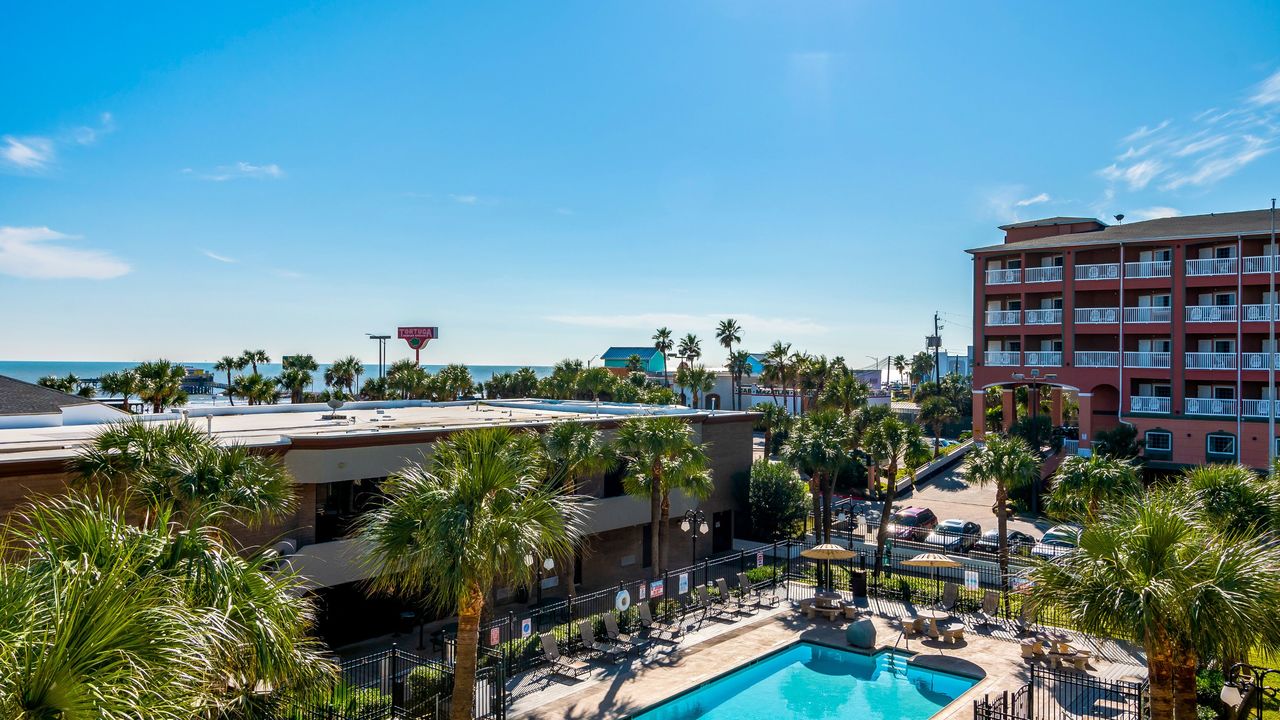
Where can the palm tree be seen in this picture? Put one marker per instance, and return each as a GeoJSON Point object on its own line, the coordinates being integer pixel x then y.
{"type": "Point", "coordinates": [888, 442]}
{"type": "Point", "coordinates": [816, 447]}
{"type": "Point", "coordinates": [71, 385]}
{"type": "Point", "coordinates": [846, 393]}
{"type": "Point", "coordinates": [937, 412]}
{"type": "Point", "coordinates": [1081, 485]}
{"type": "Point", "coordinates": [739, 367]}
{"type": "Point", "coordinates": [900, 364]}
{"type": "Point", "coordinates": [594, 382]}
{"type": "Point", "coordinates": [296, 375]}
{"type": "Point", "coordinates": [698, 379]}
{"type": "Point", "coordinates": [690, 349]}
{"type": "Point", "coordinates": [921, 365]}
{"type": "Point", "coordinates": [729, 332]}
{"type": "Point", "coordinates": [1234, 497]}
{"type": "Point", "coordinates": [662, 343]}
{"type": "Point", "coordinates": [662, 456]}
{"type": "Point", "coordinates": [124, 383]}
{"type": "Point", "coordinates": [344, 372]}
{"type": "Point", "coordinates": [635, 363]}
{"type": "Point", "coordinates": [227, 364]}
{"type": "Point", "coordinates": [1010, 464]}
{"type": "Point", "coordinates": [452, 528]}
{"type": "Point", "coordinates": [573, 450]}
{"type": "Point", "coordinates": [773, 419]}
{"type": "Point", "coordinates": [253, 357]}
{"type": "Point", "coordinates": [160, 383]}
{"type": "Point", "coordinates": [775, 365]}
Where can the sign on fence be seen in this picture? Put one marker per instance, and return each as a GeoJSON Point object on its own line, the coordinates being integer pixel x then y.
{"type": "Point", "coordinates": [526, 627]}
{"type": "Point", "coordinates": [655, 589]}
{"type": "Point", "coordinates": [759, 558]}
{"type": "Point", "coordinates": [641, 590]}
{"type": "Point", "coordinates": [683, 584]}
{"type": "Point", "coordinates": [495, 635]}
{"type": "Point", "coordinates": [970, 579]}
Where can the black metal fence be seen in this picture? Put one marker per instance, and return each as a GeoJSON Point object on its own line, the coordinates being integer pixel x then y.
{"type": "Point", "coordinates": [1052, 694]}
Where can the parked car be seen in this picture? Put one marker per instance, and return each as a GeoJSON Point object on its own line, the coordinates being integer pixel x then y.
{"type": "Point", "coordinates": [955, 535]}
{"type": "Point", "coordinates": [912, 523]}
{"type": "Point", "coordinates": [1060, 540]}
{"type": "Point", "coordinates": [1020, 543]}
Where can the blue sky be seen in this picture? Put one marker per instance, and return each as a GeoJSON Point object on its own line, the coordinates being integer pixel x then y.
{"type": "Point", "coordinates": [543, 180]}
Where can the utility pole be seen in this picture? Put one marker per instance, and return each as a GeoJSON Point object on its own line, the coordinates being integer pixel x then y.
{"type": "Point", "coordinates": [937, 368]}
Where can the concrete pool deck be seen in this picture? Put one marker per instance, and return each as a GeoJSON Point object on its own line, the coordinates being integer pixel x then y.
{"type": "Point", "coordinates": [627, 688]}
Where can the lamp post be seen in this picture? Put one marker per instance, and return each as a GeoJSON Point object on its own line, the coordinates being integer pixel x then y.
{"type": "Point", "coordinates": [382, 351]}
{"type": "Point", "coordinates": [694, 522]}
{"type": "Point", "coordinates": [548, 563]}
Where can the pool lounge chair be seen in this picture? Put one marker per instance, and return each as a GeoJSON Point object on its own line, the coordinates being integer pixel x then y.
{"type": "Point", "coordinates": [1026, 620]}
{"type": "Point", "coordinates": [737, 603]}
{"type": "Point", "coordinates": [990, 612]}
{"type": "Point", "coordinates": [716, 610]}
{"type": "Point", "coordinates": [950, 596]}
{"type": "Point", "coordinates": [559, 663]}
{"type": "Point", "coordinates": [769, 599]}
{"type": "Point", "coordinates": [611, 651]}
{"type": "Point", "coordinates": [660, 631]}
{"type": "Point", "coordinates": [626, 641]}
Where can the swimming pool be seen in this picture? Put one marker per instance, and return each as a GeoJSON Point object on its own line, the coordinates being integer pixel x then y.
{"type": "Point", "coordinates": [807, 680]}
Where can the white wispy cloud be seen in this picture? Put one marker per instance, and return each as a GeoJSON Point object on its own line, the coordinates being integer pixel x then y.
{"type": "Point", "coordinates": [1034, 200]}
{"type": "Point", "coordinates": [1007, 202]}
{"type": "Point", "coordinates": [220, 258]}
{"type": "Point", "coordinates": [239, 170]}
{"type": "Point", "coordinates": [1154, 213]}
{"type": "Point", "coordinates": [1137, 175]}
{"type": "Point", "coordinates": [88, 134]}
{"type": "Point", "coordinates": [1268, 91]}
{"type": "Point", "coordinates": [642, 321]}
{"type": "Point", "coordinates": [27, 153]}
{"type": "Point", "coordinates": [42, 253]}
{"type": "Point", "coordinates": [464, 199]}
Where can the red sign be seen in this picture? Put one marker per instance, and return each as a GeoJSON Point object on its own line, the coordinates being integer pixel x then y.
{"type": "Point", "coordinates": [417, 333]}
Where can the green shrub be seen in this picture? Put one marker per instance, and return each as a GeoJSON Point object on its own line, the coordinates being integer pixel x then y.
{"type": "Point", "coordinates": [779, 501]}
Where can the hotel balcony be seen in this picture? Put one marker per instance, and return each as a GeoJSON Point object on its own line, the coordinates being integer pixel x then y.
{"type": "Point", "coordinates": [1010, 276]}
{"type": "Point", "coordinates": [1097, 359]}
{"type": "Point", "coordinates": [1209, 406]}
{"type": "Point", "coordinates": [1149, 404]}
{"type": "Point", "coordinates": [1258, 264]}
{"type": "Point", "coordinates": [1258, 313]}
{"type": "Point", "coordinates": [1044, 316]}
{"type": "Point", "coordinates": [1097, 316]}
{"type": "Point", "coordinates": [1148, 269]}
{"type": "Point", "coordinates": [1052, 273]}
{"type": "Point", "coordinates": [1258, 361]}
{"type": "Point", "coordinates": [1211, 313]}
{"type": "Point", "coordinates": [1148, 314]}
{"type": "Point", "coordinates": [1043, 358]}
{"type": "Point", "coordinates": [1004, 317]}
{"type": "Point", "coordinates": [1103, 271]}
{"type": "Point", "coordinates": [1002, 358]}
{"type": "Point", "coordinates": [1148, 360]}
{"type": "Point", "coordinates": [1211, 266]}
{"type": "Point", "coordinates": [1257, 408]}
{"type": "Point", "coordinates": [1210, 361]}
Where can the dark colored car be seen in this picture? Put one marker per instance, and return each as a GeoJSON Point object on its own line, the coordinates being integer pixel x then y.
{"type": "Point", "coordinates": [954, 535]}
{"type": "Point", "coordinates": [912, 523]}
{"type": "Point", "coordinates": [1020, 543]}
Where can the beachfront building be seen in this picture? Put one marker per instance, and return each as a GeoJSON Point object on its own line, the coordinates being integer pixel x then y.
{"type": "Point", "coordinates": [1164, 324]}
{"type": "Point", "coordinates": [340, 462]}
{"type": "Point", "coordinates": [27, 405]}
{"type": "Point", "coordinates": [650, 359]}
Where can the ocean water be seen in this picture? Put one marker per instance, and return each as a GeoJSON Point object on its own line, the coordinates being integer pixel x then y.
{"type": "Point", "coordinates": [32, 371]}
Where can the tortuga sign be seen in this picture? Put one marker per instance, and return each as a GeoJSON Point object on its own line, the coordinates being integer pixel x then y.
{"type": "Point", "coordinates": [417, 337]}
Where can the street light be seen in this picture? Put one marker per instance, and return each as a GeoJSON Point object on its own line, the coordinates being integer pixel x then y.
{"type": "Point", "coordinates": [382, 351]}
{"type": "Point", "coordinates": [694, 522]}
{"type": "Point", "coordinates": [549, 563]}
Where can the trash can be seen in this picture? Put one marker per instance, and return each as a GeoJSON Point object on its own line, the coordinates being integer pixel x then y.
{"type": "Point", "coordinates": [858, 583]}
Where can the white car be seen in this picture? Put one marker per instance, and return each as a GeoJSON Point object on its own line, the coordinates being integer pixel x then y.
{"type": "Point", "coordinates": [1060, 540]}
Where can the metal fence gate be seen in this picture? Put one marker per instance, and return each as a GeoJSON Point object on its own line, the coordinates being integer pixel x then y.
{"type": "Point", "coordinates": [1062, 695]}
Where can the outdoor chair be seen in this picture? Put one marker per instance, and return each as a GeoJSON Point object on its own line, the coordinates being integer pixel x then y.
{"type": "Point", "coordinates": [661, 631]}
{"type": "Point", "coordinates": [990, 612]}
{"type": "Point", "coordinates": [559, 663]}
{"type": "Point", "coordinates": [953, 632]}
{"type": "Point", "coordinates": [1026, 619]}
{"type": "Point", "coordinates": [950, 596]}
{"type": "Point", "coordinates": [625, 640]}
{"type": "Point", "coordinates": [600, 649]}
{"type": "Point", "coordinates": [763, 599]}
{"type": "Point", "coordinates": [717, 610]}
{"type": "Point", "coordinates": [912, 624]}
{"type": "Point", "coordinates": [737, 603]}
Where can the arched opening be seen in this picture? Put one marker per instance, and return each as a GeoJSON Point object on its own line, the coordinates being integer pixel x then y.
{"type": "Point", "coordinates": [711, 401]}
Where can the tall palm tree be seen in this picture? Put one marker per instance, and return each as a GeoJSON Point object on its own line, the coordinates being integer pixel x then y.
{"type": "Point", "coordinates": [776, 365]}
{"type": "Point", "coordinates": [690, 349]}
{"type": "Point", "coordinates": [816, 447]}
{"type": "Point", "coordinates": [229, 364]}
{"type": "Point", "coordinates": [698, 379]}
{"type": "Point", "coordinates": [160, 383]}
{"type": "Point", "coordinates": [453, 527]}
{"type": "Point", "coordinates": [344, 372]}
{"type": "Point", "coordinates": [773, 418]}
{"type": "Point", "coordinates": [124, 383]}
{"type": "Point", "coordinates": [937, 412]}
{"type": "Point", "coordinates": [739, 367]}
{"type": "Point", "coordinates": [921, 365]}
{"type": "Point", "coordinates": [253, 357]}
{"type": "Point", "coordinates": [1235, 498]}
{"type": "Point", "coordinates": [728, 333]}
{"type": "Point", "coordinates": [662, 343]}
{"type": "Point", "coordinates": [1081, 485]}
{"type": "Point", "coordinates": [1009, 464]}
{"type": "Point", "coordinates": [296, 375]}
{"type": "Point", "coordinates": [573, 450]}
{"type": "Point", "coordinates": [900, 364]}
{"type": "Point", "coordinates": [662, 456]}
{"type": "Point", "coordinates": [888, 442]}
{"type": "Point", "coordinates": [845, 393]}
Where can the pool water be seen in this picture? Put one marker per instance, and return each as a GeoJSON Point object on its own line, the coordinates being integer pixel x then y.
{"type": "Point", "coordinates": [817, 681]}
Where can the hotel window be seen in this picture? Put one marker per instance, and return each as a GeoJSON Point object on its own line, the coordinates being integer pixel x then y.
{"type": "Point", "coordinates": [1159, 441]}
{"type": "Point", "coordinates": [1220, 447]}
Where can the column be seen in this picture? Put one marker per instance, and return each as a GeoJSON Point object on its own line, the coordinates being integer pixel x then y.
{"type": "Point", "coordinates": [1056, 399]}
{"type": "Point", "coordinates": [1086, 419]}
{"type": "Point", "coordinates": [979, 414]}
{"type": "Point", "coordinates": [1010, 407]}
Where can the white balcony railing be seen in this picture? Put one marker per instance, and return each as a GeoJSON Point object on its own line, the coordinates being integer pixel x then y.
{"type": "Point", "coordinates": [1148, 314]}
{"type": "Point", "coordinates": [1150, 404]}
{"type": "Point", "coordinates": [1050, 273]}
{"type": "Point", "coordinates": [1044, 316]}
{"type": "Point", "coordinates": [1103, 271]}
{"type": "Point", "coordinates": [1147, 360]}
{"type": "Point", "coordinates": [1257, 313]}
{"type": "Point", "coordinates": [1211, 266]}
{"type": "Point", "coordinates": [1097, 359]}
{"type": "Point", "coordinates": [1004, 317]}
{"type": "Point", "coordinates": [1043, 358]}
{"type": "Point", "coordinates": [1257, 264]}
{"type": "Point", "coordinates": [1258, 361]}
{"type": "Point", "coordinates": [1210, 361]}
{"type": "Point", "coordinates": [1097, 316]}
{"type": "Point", "coordinates": [1257, 408]}
{"type": "Point", "coordinates": [1003, 358]}
{"type": "Point", "coordinates": [1209, 406]}
{"type": "Point", "coordinates": [1211, 313]}
{"type": "Point", "coordinates": [1009, 276]}
{"type": "Point", "coordinates": [1148, 269]}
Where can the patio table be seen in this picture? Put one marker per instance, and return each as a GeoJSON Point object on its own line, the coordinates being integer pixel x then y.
{"type": "Point", "coordinates": [933, 616]}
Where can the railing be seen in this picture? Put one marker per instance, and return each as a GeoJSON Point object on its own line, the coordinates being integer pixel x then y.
{"type": "Point", "coordinates": [1148, 360]}
{"type": "Point", "coordinates": [1258, 361]}
{"type": "Point", "coordinates": [1211, 313]}
{"type": "Point", "coordinates": [1256, 408]}
{"type": "Point", "coordinates": [1258, 313]}
{"type": "Point", "coordinates": [1044, 316]}
{"type": "Point", "coordinates": [1209, 406]}
{"type": "Point", "coordinates": [1097, 316]}
{"type": "Point", "coordinates": [1002, 358]}
{"type": "Point", "coordinates": [1148, 269]}
{"type": "Point", "coordinates": [1049, 273]}
{"type": "Point", "coordinates": [1097, 358]}
{"type": "Point", "coordinates": [1211, 266]}
{"type": "Point", "coordinates": [1043, 358]}
{"type": "Point", "coordinates": [1210, 361]}
{"type": "Point", "coordinates": [1257, 264]}
{"type": "Point", "coordinates": [1148, 314]}
{"type": "Point", "coordinates": [1101, 271]}
{"type": "Point", "coordinates": [1004, 317]}
{"type": "Point", "coordinates": [1007, 276]}
{"type": "Point", "coordinates": [1150, 404]}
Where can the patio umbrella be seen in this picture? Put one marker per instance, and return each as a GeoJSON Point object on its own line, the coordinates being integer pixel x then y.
{"type": "Point", "coordinates": [935, 561]}
{"type": "Point", "coordinates": [827, 552]}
